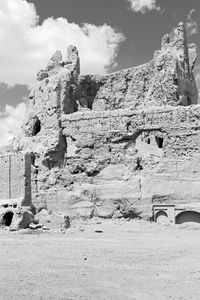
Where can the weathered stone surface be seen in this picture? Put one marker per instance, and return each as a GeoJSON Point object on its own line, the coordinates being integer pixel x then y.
{"type": "Point", "coordinates": [15, 179]}
{"type": "Point", "coordinates": [166, 80]}
{"type": "Point", "coordinates": [143, 156]}
{"type": "Point", "coordinates": [21, 219]}
{"type": "Point", "coordinates": [197, 78]}
{"type": "Point", "coordinates": [43, 217]}
{"type": "Point", "coordinates": [104, 212]}
{"type": "Point", "coordinates": [35, 226]}
{"type": "Point", "coordinates": [83, 209]}
{"type": "Point", "coordinates": [192, 50]}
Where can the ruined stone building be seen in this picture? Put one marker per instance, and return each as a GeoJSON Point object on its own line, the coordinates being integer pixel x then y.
{"type": "Point", "coordinates": [118, 144]}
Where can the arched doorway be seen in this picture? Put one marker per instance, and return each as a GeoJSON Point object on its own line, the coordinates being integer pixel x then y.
{"type": "Point", "coordinates": [7, 218]}
{"type": "Point", "coordinates": [162, 217]}
{"type": "Point", "coordinates": [188, 216]}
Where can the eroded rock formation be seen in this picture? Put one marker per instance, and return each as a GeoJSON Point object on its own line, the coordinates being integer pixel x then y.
{"type": "Point", "coordinates": [113, 145]}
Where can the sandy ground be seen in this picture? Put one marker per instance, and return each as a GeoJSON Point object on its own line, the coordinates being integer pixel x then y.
{"type": "Point", "coordinates": [128, 260]}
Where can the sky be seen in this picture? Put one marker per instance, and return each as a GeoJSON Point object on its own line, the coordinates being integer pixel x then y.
{"type": "Point", "coordinates": [110, 35]}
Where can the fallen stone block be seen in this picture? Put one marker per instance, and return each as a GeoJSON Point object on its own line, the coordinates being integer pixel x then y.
{"type": "Point", "coordinates": [83, 210]}
{"type": "Point", "coordinates": [104, 212]}
{"type": "Point", "coordinates": [43, 217]}
{"type": "Point", "coordinates": [35, 226]}
{"type": "Point", "coordinates": [21, 219]}
{"type": "Point", "coordinates": [45, 228]}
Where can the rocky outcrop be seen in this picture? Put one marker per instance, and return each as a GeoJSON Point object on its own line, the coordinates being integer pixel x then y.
{"type": "Point", "coordinates": [111, 146]}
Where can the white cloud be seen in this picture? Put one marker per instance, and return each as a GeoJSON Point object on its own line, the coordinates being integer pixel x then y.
{"type": "Point", "coordinates": [27, 46]}
{"type": "Point", "coordinates": [192, 25]}
{"type": "Point", "coordinates": [143, 6]}
{"type": "Point", "coordinates": [10, 122]}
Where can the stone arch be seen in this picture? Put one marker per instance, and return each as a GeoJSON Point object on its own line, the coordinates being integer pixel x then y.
{"type": "Point", "coordinates": [161, 217]}
{"type": "Point", "coordinates": [188, 216]}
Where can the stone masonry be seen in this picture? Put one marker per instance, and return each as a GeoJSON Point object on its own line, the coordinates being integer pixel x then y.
{"type": "Point", "coordinates": [15, 177]}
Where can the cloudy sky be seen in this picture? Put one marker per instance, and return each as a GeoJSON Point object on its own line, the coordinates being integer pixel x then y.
{"type": "Point", "coordinates": [110, 35]}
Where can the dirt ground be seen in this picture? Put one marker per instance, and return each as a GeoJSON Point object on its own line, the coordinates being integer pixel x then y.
{"type": "Point", "coordinates": [128, 260]}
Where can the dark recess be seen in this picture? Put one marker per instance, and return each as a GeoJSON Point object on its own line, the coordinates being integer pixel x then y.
{"type": "Point", "coordinates": [36, 127]}
{"type": "Point", "coordinates": [159, 141]}
{"type": "Point", "coordinates": [7, 218]}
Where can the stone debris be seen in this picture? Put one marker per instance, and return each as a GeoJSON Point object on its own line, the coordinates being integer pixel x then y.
{"type": "Point", "coordinates": [35, 226]}
{"type": "Point", "coordinates": [45, 228]}
{"type": "Point", "coordinates": [21, 219]}
{"type": "Point", "coordinates": [43, 217]}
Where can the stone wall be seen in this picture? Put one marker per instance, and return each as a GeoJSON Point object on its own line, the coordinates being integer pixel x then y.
{"type": "Point", "coordinates": [15, 177]}
{"type": "Point", "coordinates": [123, 161]}
{"type": "Point", "coordinates": [4, 177]}
{"type": "Point", "coordinates": [147, 156]}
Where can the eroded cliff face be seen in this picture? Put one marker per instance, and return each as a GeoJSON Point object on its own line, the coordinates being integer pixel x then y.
{"type": "Point", "coordinates": [112, 145]}
{"type": "Point", "coordinates": [166, 80]}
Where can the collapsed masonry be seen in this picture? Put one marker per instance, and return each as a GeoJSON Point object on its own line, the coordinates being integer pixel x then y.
{"type": "Point", "coordinates": [113, 145]}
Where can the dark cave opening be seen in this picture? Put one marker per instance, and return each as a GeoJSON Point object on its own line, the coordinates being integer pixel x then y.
{"type": "Point", "coordinates": [159, 141]}
{"type": "Point", "coordinates": [36, 127]}
{"type": "Point", "coordinates": [7, 218]}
